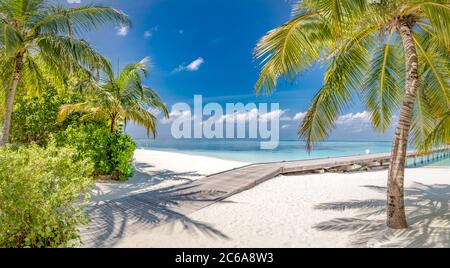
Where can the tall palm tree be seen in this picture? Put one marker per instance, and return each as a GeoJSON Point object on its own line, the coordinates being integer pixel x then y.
{"type": "Point", "coordinates": [393, 53]}
{"type": "Point", "coordinates": [38, 38]}
{"type": "Point", "coordinates": [121, 98]}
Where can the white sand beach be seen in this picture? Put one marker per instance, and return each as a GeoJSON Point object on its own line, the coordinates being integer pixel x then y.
{"type": "Point", "coordinates": [158, 169]}
{"type": "Point", "coordinates": [320, 210]}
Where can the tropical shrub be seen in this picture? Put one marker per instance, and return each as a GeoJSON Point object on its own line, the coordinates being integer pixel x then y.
{"type": "Point", "coordinates": [40, 42]}
{"type": "Point", "coordinates": [34, 118]}
{"type": "Point", "coordinates": [42, 194]}
{"type": "Point", "coordinates": [35, 122]}
{"type": "Point", "coordinates": [111, 153]}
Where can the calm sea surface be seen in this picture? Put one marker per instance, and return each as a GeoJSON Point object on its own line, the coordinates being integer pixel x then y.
{"type": "Point", "coordinates": [249, 150]}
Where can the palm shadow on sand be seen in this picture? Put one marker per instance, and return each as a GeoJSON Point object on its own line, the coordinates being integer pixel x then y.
{"type": "Point", "coordinates": [112, 220]}
{"type": "Point", "coordinates": [427, 212]}
{"type": "Point", "coordinates": [144, 178]}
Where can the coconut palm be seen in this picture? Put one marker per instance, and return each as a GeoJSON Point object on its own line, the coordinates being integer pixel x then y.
{"type": "Point", "coordinates": [39, 40]}
{"type": "Point", "coordinates": [392, 53]}
{"type": "Point", "coordinates": [121, 98]}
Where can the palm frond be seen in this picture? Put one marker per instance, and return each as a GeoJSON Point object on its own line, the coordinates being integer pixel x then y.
{"type": "Point", "coordinates": [338, 13]}
{"type": "Point", "coordinates": [67, 110]}
{"type": "Point", "coordinates": [435, 72]}
{"type": "Point", "coordinates": [423, 121]}
{"type": "Point", "coordinates": [439, 135]}
{"type": "Point", "coordinates": [62, 21]}
{"type": "Point", "coordinates": [290, 49]}
{"type": "Point", "coordinates": [152, 100]}
{"type": "Point", "coordinates": [20, 10]}
{"type": "Point", "coordinates": [33, 80]}
{"type": "Point", "coordinates": [343, 78]}
{"type": "Point", "coordinates": [70, 52]}
{"type": "Point", "coordinates": [143, 118]}
{"type": "Point", "coordinates": [383, 86]}
{"type": "Point", "coordinates": [436, 13]}
{"type": "Point", "coordinates": [11, 41]}
{"type": "Point", "coordinates": [132, 76]}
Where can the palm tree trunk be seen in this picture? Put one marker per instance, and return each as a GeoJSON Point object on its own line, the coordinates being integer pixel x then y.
{"type": "Point", "coordinates": [396, 217]}
{"type": "Point", "coordinates": [113, 124]}
{"type": "Point", "coordinates": [12, 93]}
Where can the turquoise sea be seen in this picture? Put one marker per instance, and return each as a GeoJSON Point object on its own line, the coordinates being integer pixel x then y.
{"type": "Point", "coordinates": [249, 150]}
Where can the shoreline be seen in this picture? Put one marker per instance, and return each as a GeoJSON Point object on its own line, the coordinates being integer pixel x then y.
{"type": "Point", "coordinates": [156, 169]}
{"type": "Point", "coordinates": [311, 210]}
{"type": "Point", "coordinates": [265, 157]}
{"type": "Point", "coordinates": [160, 169]}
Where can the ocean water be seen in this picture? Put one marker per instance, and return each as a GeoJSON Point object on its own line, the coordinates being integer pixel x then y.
{"type": "Point", "coordinates": [249, 150]}
{"type": "Point", "coordinates": [440, 163]}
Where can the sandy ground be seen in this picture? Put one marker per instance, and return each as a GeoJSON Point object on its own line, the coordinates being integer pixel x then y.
{"type": "Point", "coordinates": [156, 169]}
{"type": "Point", "coordinates": [323, 210]}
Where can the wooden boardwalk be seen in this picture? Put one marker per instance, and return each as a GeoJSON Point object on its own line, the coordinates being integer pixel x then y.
{"type": "Point", "coordinates": [114, 219]}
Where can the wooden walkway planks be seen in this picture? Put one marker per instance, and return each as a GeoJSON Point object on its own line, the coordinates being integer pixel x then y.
{"type": "Point", "coordinates": [113, 220]}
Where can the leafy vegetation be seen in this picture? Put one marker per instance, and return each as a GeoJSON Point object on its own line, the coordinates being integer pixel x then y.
{"type": "Point", "coordinates": [42, 193]}
{"type": "Point", "coordinates": [120, 99]}
{"type": "Point", "coordinates": [49, 72]}
{"type": "Point", "coordinates": [35, 117]}
{"type": "Point", "coordinates": [111, 153]}
{"type": "Point", "coordinates": [35, 122]}
{"type": "Point", "coordinates": [364, 47]}
{"type": "Point", "coordinates": [39, 43]}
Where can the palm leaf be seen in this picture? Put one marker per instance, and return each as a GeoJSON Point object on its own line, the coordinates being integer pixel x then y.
{"type": "Point", "coordinates": [61, 21]}
{"type": "Point", "coordinates": [290, 49]}
{"type": "Point", "coordinates": [383, 86]}
{"type": "Point", "coordinates": [423, 121]}
{"type": "Point", "coordinates": [143, 118]}
{"type": "Point", "coordinates": [436, 14]}
{"type": "Point", "coordinates": [435, 72]}
{"type": "Point", "coordinates": [439, 135]}
{"type": "Point", "coordinates": [346, 70]}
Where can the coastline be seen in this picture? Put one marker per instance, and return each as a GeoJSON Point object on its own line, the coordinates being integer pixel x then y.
{"type": "Point", "coordinates": [156, 169]}
{"type": "Point", "coordinates": [319, 210]}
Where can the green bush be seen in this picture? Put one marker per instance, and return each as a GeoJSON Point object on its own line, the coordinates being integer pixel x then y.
{"type": "Point", "coordinates": [111, 153]}
{"type": "Point", "coordinates": [34, 119]}
{"type": "Point", "coordinates": [42, 194]}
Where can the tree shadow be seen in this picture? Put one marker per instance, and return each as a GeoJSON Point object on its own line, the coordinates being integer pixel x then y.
{"type": "Point", "coordinates": [142, 179]}
{"type": "Point", "coordinates": [113, 220]}
{"type": "Point", "coordinates": [428, 216]}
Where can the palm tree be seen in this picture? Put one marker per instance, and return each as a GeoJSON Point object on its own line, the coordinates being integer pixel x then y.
{"type": "Point", "coordinates": [393, 53]}
{"type": "Point", "coordinates": [38, 39]}
{"type": "Point", "coordinates": [120, 99]}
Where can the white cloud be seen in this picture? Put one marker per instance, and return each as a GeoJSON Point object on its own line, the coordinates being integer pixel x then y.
{"type": "Point", "coordinates": [285, 126]}
{"type": "Point", "coordinates": [195, 65]}
{"type": "Point", "coordinates": [352, 122]}
{"type": "Point", "coordinates": [239, 117]}
{"type": "Point", "coordinates": [299, 116]}
{"type": "Point", "coordinates": [149, 33]}
{"type": "Point", "coordinates": [254, 114]}
{"type": "Point", "coordinates": [191, 67]}
{"type": "Point", "coordinates": [176, 115]}
{"type": "Point", "coordinates": [123, 30]}
{"type": "Point", "coordinates": [274, 115]}
{"type": "Point", "coordinates": [352, 118]}
{"type": "Point", "coordinates": [74, 1]}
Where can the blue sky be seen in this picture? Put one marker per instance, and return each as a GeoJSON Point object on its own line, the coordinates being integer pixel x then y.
{"type": "Point", "coordinates": [204, 47]}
